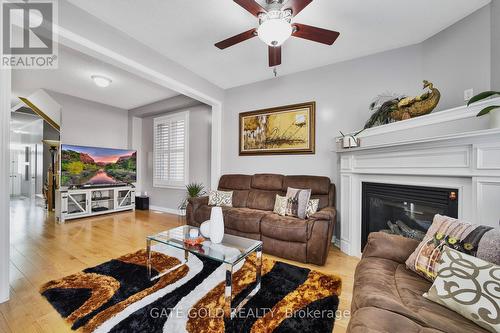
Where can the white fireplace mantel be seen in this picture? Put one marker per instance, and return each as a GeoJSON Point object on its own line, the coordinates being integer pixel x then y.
{"type": "Point", "coordinates": [465, 160]}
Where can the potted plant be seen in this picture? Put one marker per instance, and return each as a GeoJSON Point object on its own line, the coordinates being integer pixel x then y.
{"type": "Point", "coordinates": [494, 116]}
{"type": "Point", "coordinates": [193, 190]}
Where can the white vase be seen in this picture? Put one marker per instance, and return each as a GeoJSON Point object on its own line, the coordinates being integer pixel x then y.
{"type": "Point", "coordinates": [205, 229]}
{"type": "Point", "coordinates": [216, 225]}
{"type": "Point", "coordinates": [495, 118]}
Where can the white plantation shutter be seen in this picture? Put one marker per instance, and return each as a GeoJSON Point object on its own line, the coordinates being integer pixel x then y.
{"type": "Point", "coordinates": [170, 161]}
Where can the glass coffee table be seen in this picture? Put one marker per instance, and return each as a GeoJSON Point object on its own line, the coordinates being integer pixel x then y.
{"type": "Point", "coordinates": [229, 252]}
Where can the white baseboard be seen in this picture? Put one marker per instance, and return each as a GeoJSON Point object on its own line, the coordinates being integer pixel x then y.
{"type": "Point", "coordinates": [167, 210]}
{"type": "Point", "coordinates": [336, 241]}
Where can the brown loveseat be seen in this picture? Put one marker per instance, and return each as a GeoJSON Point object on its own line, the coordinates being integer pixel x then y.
{"type": "Point", "coordinates": [388, 297]}
{"type": "Point", "coordinates": [252, 215]}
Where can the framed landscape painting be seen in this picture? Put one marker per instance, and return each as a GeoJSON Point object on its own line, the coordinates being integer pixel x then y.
{"type": "Point", "coordinates": [282, 130]}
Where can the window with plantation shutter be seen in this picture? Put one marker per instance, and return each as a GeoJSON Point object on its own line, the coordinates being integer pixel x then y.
{"type": "Point", "coordinates": [170, 156]}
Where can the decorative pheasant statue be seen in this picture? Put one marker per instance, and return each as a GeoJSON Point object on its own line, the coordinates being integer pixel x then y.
{"type": "Point", "coordinates": [417, 106]}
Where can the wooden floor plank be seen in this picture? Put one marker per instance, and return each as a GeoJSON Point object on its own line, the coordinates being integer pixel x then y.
{"type": "Point", "coordinates": [42, 250]}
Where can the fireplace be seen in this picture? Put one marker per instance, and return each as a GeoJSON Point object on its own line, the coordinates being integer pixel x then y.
{"type": "Point", "coordinates": [404, 210]}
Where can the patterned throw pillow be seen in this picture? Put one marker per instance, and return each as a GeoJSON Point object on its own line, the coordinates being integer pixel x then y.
{"type": "Point", "coordinates": [220, 198]}
{"type": "Point", "coordinates": [468, 286]}
{"type": "Point", "coordinates": [312, 207]}
{"type": "Point", "coordinates": [476, 240]}
{"type": "Point", "coordinates": [297, 202]}
{"type": "Point", "coordinates": [280, 205]}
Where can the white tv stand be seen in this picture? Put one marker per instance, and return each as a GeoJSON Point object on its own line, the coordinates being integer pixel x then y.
{"type": "Point", "coordinates": [85, 202]}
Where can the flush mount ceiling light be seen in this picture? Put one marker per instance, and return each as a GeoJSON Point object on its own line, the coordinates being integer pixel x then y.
{"type": "Point", "coordinates": [101, 81]}
{"type": "Point", "coordinates": [275, 26]}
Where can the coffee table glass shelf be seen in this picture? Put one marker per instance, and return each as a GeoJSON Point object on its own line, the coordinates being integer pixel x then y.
{"type": "Point", "coordinates": [229, 252]}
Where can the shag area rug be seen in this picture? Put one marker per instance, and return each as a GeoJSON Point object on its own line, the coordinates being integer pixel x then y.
{"type": "Point", "coordinates": [117, 296]}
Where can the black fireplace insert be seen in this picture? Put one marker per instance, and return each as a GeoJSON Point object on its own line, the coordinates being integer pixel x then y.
{"type": "Point", "coordinates": [403, 209]}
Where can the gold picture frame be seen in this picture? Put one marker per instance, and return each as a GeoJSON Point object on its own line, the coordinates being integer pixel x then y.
{"type": "Point", "coordinates": [283, 130]}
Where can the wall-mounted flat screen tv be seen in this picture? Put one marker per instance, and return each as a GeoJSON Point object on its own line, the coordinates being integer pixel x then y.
{"type": "Point", "coordinates": [91, 166]}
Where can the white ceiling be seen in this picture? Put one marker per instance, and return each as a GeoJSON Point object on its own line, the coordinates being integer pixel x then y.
{"type": "Point", "coordinates": [186, 30]}
{"type": "Point", "coordinates": [127, 91]}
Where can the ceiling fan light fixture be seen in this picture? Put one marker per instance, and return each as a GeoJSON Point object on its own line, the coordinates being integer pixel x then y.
{"type": "Point", "coordinates": [275, 28]}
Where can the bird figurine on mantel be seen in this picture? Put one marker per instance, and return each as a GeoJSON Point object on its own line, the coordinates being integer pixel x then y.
{"type": "Point", "coordinates": [411, 107]}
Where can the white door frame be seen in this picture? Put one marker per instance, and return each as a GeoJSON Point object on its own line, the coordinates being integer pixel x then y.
{"type": "Point", "coordinates": [5, 91]}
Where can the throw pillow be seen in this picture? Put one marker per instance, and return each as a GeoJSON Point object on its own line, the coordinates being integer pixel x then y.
{"type": "Point", "coordinates": [280, 205]}
{"type": "Point", "coordinates": [220, 198]}
{"type": "Point", "coordinates": [312, 207]}
{"type": "Point", "coordinates": [468, 286]}
{"type": "Point", "coordinates": [476, 240]}
{"type": "Point", "coordinates": [297, 202]}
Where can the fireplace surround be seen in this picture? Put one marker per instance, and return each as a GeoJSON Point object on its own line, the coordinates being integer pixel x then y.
{"type": "Point", "coordinates": [404, 209]}
{"type": "Point", "coordinates": [452, 150]}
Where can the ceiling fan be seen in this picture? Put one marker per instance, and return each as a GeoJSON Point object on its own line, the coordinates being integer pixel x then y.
{"type": "Point", "coordinates": [275, 26]}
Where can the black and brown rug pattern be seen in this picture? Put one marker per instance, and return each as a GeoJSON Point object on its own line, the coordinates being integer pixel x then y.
{"type": "Point", "coordinates": [117, 296]}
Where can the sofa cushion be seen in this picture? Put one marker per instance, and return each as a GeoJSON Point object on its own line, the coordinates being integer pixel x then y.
{"type": "Point", "coordinates": [244, 219]}
{"type": "Point", "coordinates": [286, 228]}
{"type": "Point", "coordinates": [399, 290]}
{"type": "Point", "coordinates": [235, 182]}
{"type": "Point", "coordinates": [262, 199]}
{"type": "Point", "coordinates": [203, 212]}
{"type": "Point", "coordinates": [459, 235]}
{"type": "Point", "coordinates": [267, 181]}
{"type": "Point", "coordinates": [373, 320]}
{"type": "Point", "coordinates": [289, 250]}
{"type": "Point", "coordinates": [239, 184]}
{"type": "Point", "coordinates": [318, 185]}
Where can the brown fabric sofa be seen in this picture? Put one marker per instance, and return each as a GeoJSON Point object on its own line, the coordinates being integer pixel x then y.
{"type": "Point", "coordinates": [387, 297]}
{"type": "Point", "coordinates": [252, 215]}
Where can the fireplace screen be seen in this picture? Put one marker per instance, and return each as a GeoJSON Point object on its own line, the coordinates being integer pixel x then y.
{"type": "Point", "coordinates": [404, 210]}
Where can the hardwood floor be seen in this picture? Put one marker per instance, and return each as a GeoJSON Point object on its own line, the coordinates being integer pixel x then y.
{"type": "Point", "coordinates": [42, 250]}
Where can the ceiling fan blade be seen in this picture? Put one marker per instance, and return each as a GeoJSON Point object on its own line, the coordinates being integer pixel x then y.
{"type": "Point", "coordinates": [315, 34]}
{"type": "Point", "coordinates": [251, 6]}
{"type": "Point", "coordinates": [296, 6]}
{"type": "Point", "coordinates": [236, 39]}
{"type": "Point", "coordinates": [274, 56]}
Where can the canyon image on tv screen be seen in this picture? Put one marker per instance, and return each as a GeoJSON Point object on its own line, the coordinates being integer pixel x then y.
{"type": "Point", "coordinates": [92, 166]}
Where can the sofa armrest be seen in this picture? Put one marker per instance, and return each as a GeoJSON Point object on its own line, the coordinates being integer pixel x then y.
{"type": "Point", "coordinates": [197, 202]}
{"type": "Point", "coordinates": [392, 247]}
{"type": "Point", "coordinates": [327, 213]}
